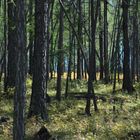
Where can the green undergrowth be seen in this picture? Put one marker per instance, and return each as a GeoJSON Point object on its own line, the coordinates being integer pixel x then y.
{"type": "Point", "coordinates": [67, 121]}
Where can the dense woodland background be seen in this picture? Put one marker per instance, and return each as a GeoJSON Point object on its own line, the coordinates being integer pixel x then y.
{"type": "Point", "coordinates": [71, 66]}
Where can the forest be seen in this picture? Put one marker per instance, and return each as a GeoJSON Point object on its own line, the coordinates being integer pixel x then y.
{"type": "Point", "coordinates": [69, 69]}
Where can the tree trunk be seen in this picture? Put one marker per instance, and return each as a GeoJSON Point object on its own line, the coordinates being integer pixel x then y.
{"type": "Point", "coordinates": [106, 62]}
{"type": "Point", "coordinates": [127, 82]}
{"type": "Point", "coordinates": [19, 97]}
{"type": "Point", "coordinates": [5, 46]}
{"type": "Point", "coordinates": [60, 55]}
{"type": "Point", "coordinates": [38, 97]}
{"type": "Point", "coordinates": [101, 43]}
{"type": "Point", "coordinates": [90, 70]}
{"type": "Point", "coordinates": [93, 33]}
{"type": "Point", "coordinates": [12, 59]}
{"type": "Point", "coordinates": [136, 38]}
{"type": "Point", "coordinates": [31, 38]}
{"type": "Point", "coordinates": [79, 65]}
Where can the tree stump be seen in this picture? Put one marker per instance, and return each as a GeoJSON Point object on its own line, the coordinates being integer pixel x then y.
{"type": "Point", "coordinates": [43, 134]}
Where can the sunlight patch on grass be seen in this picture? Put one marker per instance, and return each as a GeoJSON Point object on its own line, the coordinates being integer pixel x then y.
{"type": "Point", "coordinates": [67, 120]}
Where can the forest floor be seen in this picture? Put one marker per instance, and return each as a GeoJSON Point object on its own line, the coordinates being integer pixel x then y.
{"type": "Point", "coordinates": [67, 120]}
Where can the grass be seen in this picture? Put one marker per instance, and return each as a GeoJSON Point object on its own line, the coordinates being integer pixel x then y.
{"type": "Point", "coordinates": [67, 120]}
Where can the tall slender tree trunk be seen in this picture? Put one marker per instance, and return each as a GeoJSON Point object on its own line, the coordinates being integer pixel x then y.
{"type": "Point", "coordinates": [137, 38]}
{"type": "Point", "coordinates": [31, 38]}
{"type": "Point", "coordinates": [5, 45]}
{"type": "Point", "coordinates": [48, 41]}
{"type": "Point", "coordinates": [38, 97]}
{"type": "Point", "coordinates": [91, 93]}
{"type": "Point", "coordinates": [12, 59]}
{"type": "Point", "coordinates": [79, 65]}
{"type": "Point", "coordinates": [19, 97]}
{"type": "Point", "coordinates": [60, 55]}
{"type": "Point", "coordinates": [106, 61]}
{"type": "Point", "coordinates": [51, 44]}
{"type": "Point", "coordinates": [93, 33]}
{"type": "Point", "coordinates": [69, 63]}
{"type": "Point", "coordinates": [127, 82]}
{"type": "Point", "coordinates": [101, 43]}
{"type": "Point", "coordinates": [74, 53]}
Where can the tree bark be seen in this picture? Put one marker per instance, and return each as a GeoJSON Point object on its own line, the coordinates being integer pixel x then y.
{"type": "Point", "coordinates": [101, 43]}
{"type": "Point", "coordinates": [38, 97]}
{"type": "Point", "coordinates": [93, 33]}
{"type": "Point", "coordinates": [127, 82]}
{"type": "Point", "coordinates": [106, 61]}
{"type": "Point", "coordinates": [60, 55]}
{"type": "Point", "coordinates": [20, 90]}
{"type": "Point", "coordinates": [12, 52]}
{"type": "Point", "coordinates": [79, 65]}
{"type": "Point", "coordinates": [90, 69]}
{"type": "Point", "coordinates": [31, 38]}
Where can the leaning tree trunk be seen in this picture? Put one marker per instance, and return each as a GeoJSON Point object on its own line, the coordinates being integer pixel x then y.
{"type": "Point", "coordinates": [19, 97]}
{"type": "Point", "coordinates": [127, 83]}
{"type": "Point", "coordinates": [38, 103]}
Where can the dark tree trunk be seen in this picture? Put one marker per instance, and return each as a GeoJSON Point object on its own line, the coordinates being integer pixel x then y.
{"type": "Point", "coordinates": [48, 41]}
{"type": "Point", "coordinates": [51, 52]}
{"type": "Point", "coordinates": [101, 43]}
{"type": "Point", "coordinates": [60, 55]}
{"type": "Point", "coordinates": [69, 63]}
{"type": "Point", "coordinates": [5, 46]}
{"type": "Point", "coordinates": [93, 33]}
{"type": "Point", "coordinates": [19, 97]}
{"type": "Point", "coordinates": [136, 38]}
{"type": "Point", "coordinates": [127, 82]}
{"type": "Point", "coordinates": [116, 57]}
{"type": "Point", "coordinates": [38, 97]}
{"type": "Point", "coordinates": [106, 62]}
{"type": "Point", "coordinates": [51, 46]}
{"type": "Point", "coordinates": [31, 38]}
{"type": "Point", "coordinates": [12, 59]}
{"type": "Point", "coordinates": [90, 69]}
{"type": "Point", "coordinates": [79, 65]}
{"type": "Point", "coordinates": [74, 53]}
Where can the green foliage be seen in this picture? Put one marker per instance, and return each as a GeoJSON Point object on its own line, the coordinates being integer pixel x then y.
{"type": "Point", "coordinates": [67, 120]}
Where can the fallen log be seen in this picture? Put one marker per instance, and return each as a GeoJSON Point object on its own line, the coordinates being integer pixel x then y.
{"type": "Point", "coordinates": [84, 95]}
